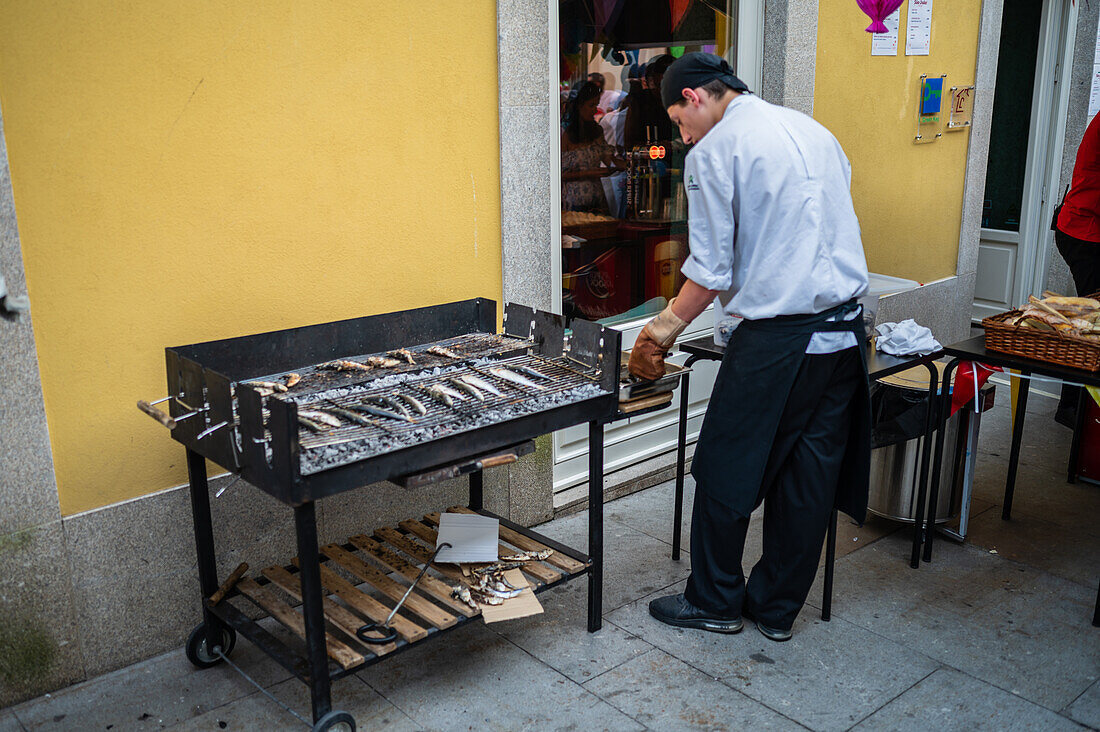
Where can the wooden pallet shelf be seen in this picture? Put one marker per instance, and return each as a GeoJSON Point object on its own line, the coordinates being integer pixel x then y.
{"type": "Point", "coordinates": [363, 578]}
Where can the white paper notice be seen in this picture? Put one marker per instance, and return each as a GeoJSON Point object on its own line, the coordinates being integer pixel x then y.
{"type": "Point", "coordinates": [472, 538]}
{"type": "Point", "coordinates": [886, 44]}
{"type": "Point", "coordinates": [1094, 92]}
{"type": "Point", "coordinates": [918, 28]}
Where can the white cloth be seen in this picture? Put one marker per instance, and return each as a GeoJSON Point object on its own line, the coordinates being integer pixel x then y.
{"type": "Point", "coordinates": [11, 303]}
{"type": "Point", "coordinates": [614, 125]}
{"type": "Point", "coordinates": [906, 338]}
{"type": "Point", "coordinates": [770, 217]}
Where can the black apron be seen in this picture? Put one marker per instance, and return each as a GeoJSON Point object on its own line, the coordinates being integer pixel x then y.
{"type": "Point", "coordinates": [755, 378]}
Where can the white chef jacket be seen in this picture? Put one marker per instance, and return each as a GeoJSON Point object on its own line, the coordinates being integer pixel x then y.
{"type": "Point", "coordinates": [770, 217]}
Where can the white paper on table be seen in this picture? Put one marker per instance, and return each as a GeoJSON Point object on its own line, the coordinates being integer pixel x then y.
{"type": "Point", "coordinates": [886, 44]}
{"type": "Point", "coordinates": [918, 28]}
{"type": "Point", "coordinates": [473, 538]}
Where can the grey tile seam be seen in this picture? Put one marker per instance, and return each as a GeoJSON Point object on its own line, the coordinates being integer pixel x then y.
{"type": "Point", "coordinates": [890, 701]}
{"type": "Point", "coordinates": [389, 701]}
{"type": "Point", "coordinates": [1021, 697]}
{"type": "Point", "coordinates": [382, 696]}
{"type": "Point", "coordinates": [943, 664]}
{"type": "Point", "coordinates": [652, 648]}
{"type": "Point", "coordinates": [611, 704]}
{"type": "Point", "coordinates": [19, 721]}
{"type": "Point", "coordinates": [71, 590]}
{"type": "Point", "coordinates": [1083, 691]}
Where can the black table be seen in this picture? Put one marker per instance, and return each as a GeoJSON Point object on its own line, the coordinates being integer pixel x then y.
{"type": "Point", "coordinates": [974, 349]}
{"type": "Point", "coordinates": [879, 365]}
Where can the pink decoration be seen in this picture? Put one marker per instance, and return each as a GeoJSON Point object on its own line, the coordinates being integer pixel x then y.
{"type": "Point", "coordinates": [877, 10]}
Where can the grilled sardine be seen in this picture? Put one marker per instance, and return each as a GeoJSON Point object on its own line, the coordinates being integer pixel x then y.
{"type": "Point", "coordinates": [529, 371]}
{"type": "Point", "coordinates": [512, 376]}
{"type": "Point", "coordinates": [413, 402]}
{"type": "Point", "coordinates": [468, 388]}
{"type": "Point", "coordinates": [379, 411]}
{"type": "Point", "coordinates": [311, 425]}
{"type": "Point", "coordinates": [383, 362]}
{"type": "Point", "coordinates": [342, 365]}
{"type": "Point", "coordinates": [348, 415]}
{"type": "Point", "coordinates": [481, 384]}
{"type": "Point", "coordinates": [320, 416]}
{"type": "Point", "coordinates": [403, 354]}
{"type": "Point", "coordinates": [292, 379]}
{"type": "Point", "coordinates": [445, 352]}
{"type": "Point", "coordinates": [269, 385]}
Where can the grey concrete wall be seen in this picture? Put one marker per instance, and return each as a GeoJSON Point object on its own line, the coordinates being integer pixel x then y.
{"type": "Point", "coordinates": [39, 641]}
{"type": "Point", "coordinates": [790, 53]}
{"type": "Point", "coordinates": [1080, 78]}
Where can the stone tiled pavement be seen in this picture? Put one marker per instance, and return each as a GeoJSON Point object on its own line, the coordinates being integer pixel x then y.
{"type": "Point", "coordinates": [993, 634]}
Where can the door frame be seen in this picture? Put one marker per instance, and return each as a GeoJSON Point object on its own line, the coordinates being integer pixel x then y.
{"type": "Point", "coordinates": [1043, 167]}
{"type": "Point", "coordinates": [749, 65]}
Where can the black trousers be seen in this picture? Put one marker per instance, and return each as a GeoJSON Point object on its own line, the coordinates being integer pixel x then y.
{"type": "Point", "coordinates": [798, 493]}
{"type": "Point", "coordinates": [1083, 258]}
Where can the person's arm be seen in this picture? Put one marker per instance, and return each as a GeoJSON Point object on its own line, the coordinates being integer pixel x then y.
{"type": "Point", "coordinates": [709, 267]}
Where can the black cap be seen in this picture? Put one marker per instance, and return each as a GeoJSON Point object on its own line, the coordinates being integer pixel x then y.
{"type": "Point", "coordinates": [693, 70]}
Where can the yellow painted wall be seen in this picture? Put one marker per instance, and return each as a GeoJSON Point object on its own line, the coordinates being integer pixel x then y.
{"type": "Point", "coordinates": [191, 171]}
{"type": "Point", "coordinates": [908, 196]}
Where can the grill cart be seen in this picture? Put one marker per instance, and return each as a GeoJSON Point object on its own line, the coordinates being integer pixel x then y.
{"type": "Point", "coordinates": [242, 403]}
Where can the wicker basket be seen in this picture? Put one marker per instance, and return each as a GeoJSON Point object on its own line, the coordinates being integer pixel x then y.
{"type": "Point", "coordinates": [1040, 345]}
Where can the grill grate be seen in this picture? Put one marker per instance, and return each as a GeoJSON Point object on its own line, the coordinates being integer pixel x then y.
{"type": "Point", "coordinates": [356, 442]}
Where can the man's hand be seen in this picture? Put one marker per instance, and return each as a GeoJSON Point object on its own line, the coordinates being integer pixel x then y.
{"type": "Point", "coordinates": [647, 358]}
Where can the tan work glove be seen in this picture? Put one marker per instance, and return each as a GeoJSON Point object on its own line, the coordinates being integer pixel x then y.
{"type": "Point", "coordinates": [647, 358]}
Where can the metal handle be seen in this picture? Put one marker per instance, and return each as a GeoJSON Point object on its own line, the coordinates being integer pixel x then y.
{"type": "Point", "coordinates": [494, 461]}
{"type": "Point", "coordinates": [156, 414]}
{"type": "Point", "coordinates": [388, 633]}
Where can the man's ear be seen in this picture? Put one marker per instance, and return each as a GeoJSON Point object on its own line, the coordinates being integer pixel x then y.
{"type": "Point", "coordinates": [691, 96]}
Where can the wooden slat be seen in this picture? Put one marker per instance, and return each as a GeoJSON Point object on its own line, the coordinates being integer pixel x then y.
{"type": "Point", "coordinates": [438, 589]}
{"type": "Point", "coordinates": [537, 571]}
{"type": "Point", "coordinates": [418, 604]}
{"type": "Point", "coordinates": [335, 613]}
{"type": "Point", "coordinates": [417, 552]}
{"type": "Point", "coordinates": [562, 561]}
{"type": "Point", "coordinates": [231, 580]}
{"type": "Point", "coordinates": [364, 603]}
{"type": "Point", "coordinates": [338, 651]}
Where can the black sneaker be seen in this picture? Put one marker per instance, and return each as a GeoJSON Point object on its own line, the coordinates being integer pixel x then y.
{"type": "Point", "coordinates": [772, 634]}
{"type": "Point", "coordinates": [676, 610]}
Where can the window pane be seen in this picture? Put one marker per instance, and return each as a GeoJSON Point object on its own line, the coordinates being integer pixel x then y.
{"type": "Point", "coordinates": [1008, 137]}
{"type": "Point", "coordinates": [624, 212]}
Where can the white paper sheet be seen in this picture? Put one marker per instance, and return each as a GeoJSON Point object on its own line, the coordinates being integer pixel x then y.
{"type": "Point", "coordinates": [918, 28]}
{"type": "Point", "coordinates": [886, 44]}
{"type": "Point", "coordinates": [472, 538]}
{"type": "Point", "coordinates": [1094, 92]}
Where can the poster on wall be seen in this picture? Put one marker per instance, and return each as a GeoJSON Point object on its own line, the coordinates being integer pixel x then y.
{"type": "Point", "coordinates": [886, 44]}
{"type": "Point", "coordinates": [918, 28]}
{"type": "Point", "coordinates": [1094, 92]}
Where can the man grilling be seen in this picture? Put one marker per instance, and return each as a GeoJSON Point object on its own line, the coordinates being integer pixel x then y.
{"type": "Point", "coordinates": [774, 239]}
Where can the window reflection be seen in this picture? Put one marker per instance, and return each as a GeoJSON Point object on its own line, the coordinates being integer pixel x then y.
{"type": "Point", "coordinates": [624, 211]}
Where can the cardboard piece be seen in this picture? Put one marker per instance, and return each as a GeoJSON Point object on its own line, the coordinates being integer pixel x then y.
{"type": "Point", "coordinates": [520, 606]}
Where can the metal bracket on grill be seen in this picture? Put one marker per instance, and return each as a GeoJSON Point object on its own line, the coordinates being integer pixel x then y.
{"type": "Point", "coordinates": [466, 466]}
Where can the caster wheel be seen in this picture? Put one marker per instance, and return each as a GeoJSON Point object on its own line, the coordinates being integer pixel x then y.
{"type": "Point", "coordinates": [335, 721]}
{"type": "Point", "coordinates": [200, 655]}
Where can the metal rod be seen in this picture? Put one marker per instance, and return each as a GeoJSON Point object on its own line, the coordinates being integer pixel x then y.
{"type": "Point", "coordinates": [1014, 454]}
{"type": "Point", "coordinates": [477, 490]}
{"type": "Point", "coordinates": [937, 466]}
{"type": "Point", "coordinates": [926, 452]}
{"type": "Point", "coordinates": [830, 560]}
{"type": "Point", "coordinates": [1075, 444]}
{"type": "Point", "coordinates": [204, 541]}
{"type": "Point", "coordinates": [305, 525]}
{"type": "Point", "coordinates": [590, 377]}
{"type": "Point", "coordinates": [681, 458]}
{"type": "Point", "coordinates": [265, 692]}
{"type": "Point", "coordinates": [210, 430]}
{"type": "Point", "coordinates": [226, 487]}
{"type": "Point", "coordinates": [595, 525]}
